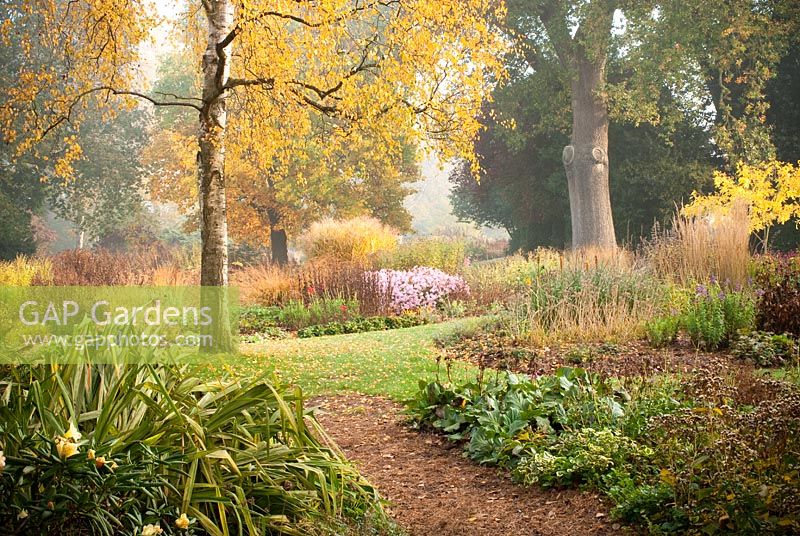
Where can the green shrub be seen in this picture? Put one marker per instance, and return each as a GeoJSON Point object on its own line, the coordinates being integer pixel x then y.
{"type": "Point", "coordinates": [715, 316]}
{"type": "Point", "coordinates": [269, 333]}
{"type": "Point", "coordinates": [257, 319]}
{"type": "Point", "coordinates": [705, 324]}
{"type": "Point", "coordinates": [585, 456]}
{"type": "Point", "coordinates": [647, 504]}
{"type": "Point", "coordinates": [360, 325]}
{"type": "Point", "coordinates": [297, 314]}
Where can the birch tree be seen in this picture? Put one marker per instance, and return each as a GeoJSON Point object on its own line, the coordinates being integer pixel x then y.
{"type": "Point", "coordinates": [420, 67]}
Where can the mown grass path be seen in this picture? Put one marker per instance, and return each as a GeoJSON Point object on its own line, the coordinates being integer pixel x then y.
{"type": "Point", "coordinates": [432, 489]}
{"type": "Point", "coordinates": [387, 363]}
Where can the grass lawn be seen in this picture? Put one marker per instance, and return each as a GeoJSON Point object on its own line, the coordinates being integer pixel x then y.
{"type": "Point", "coordinates": [388, 363]}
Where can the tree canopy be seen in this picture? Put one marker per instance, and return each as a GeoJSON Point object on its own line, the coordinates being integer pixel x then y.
{"type": "Point", "coordinates": [681, 100]}
{"type": "Point", "coordinates": [395, 72]}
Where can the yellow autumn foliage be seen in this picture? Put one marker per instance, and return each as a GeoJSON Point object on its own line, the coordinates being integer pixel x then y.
{"type": "Point", "coordinates": [387, 72]}
{"type": "Point", "coordinates": [770, 190]}
{"type": "Point", "coordinates": [25, 271]}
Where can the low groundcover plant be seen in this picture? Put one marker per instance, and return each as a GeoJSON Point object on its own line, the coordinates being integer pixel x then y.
{"type": "Point", "coordinates": [714, 453]}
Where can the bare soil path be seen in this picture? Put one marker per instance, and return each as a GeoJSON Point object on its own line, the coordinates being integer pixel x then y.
{"type": "Point", "coordinates": [434, 491]}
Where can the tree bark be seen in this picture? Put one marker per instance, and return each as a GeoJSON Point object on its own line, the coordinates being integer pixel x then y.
{"type": "Point", "coordinates": [211, 174]}
{"type": "Point", "coordinates": [278, 243]}
{"type": "Point", "coordinates": [211, 157]}
{"type": "Point", "coordinates": [586, 159]}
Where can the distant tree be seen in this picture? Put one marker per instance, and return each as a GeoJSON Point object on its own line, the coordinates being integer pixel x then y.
{"type": "Point", "coordinates": [106, 189]}
{"type": "Point", "coordinates": [22, 192]}
{"type": "Point", "coordinates": [783, 115]}
{"type": "Point", "coordinates": [18, 203]}
{"type": "Point", "coordinates": [273, 195]}
{"type": "Point", "coordinates": [521, 187]}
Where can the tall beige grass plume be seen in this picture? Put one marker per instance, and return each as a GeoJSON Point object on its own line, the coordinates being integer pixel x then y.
{"type": "Point", "coordinates": [351, 240]}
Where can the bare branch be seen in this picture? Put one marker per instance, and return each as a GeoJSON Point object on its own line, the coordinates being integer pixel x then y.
{"type": "Point", "coordinates": [111, 91]}
{"type": "Point", "coordinates": [174, 96]}
{"type": "Point", "coordinates": [268, 83]}
{"type": "Point", "coordinates": [148, 98]}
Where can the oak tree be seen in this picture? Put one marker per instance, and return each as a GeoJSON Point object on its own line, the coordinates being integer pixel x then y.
{"type": "Point", "coordinates": [719, 62]}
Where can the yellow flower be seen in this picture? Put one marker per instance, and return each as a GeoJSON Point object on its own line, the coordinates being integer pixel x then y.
{"type": "Point", "coordinates": [2, 461]}
{"type": "Point", "coordinates": [99, 462]}
{"type": "Point", "coordinates": [113, 465]}
{"type": "Point", "coordinates": [182, 522]}
{"type": "Point", "coordinates": [66, 448]}
{"type": "Point", "coordinates": [22, 514]}
{"type": "Point", "coordinates": [73, 433]}
{"type": "Point", "coordinates": [90, 454]}
{"type": "Point", "coordinates": [151, 530]}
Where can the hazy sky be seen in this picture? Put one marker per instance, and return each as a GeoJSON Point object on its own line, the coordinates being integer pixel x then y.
{"type": "Point", "coordinates": [168, 10]}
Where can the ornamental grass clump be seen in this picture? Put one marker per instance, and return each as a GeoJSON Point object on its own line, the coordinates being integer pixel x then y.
{"type": "Point", "coordinates": [418, 288]}
{"type": "Point", "coordinates": [355, 240]}
{"type": "Point", "coordinates": [576, 304]}
{"type": "Point", "coordinates": [698, 246]}
{"type": "Point", "coordinates": [25, 271]}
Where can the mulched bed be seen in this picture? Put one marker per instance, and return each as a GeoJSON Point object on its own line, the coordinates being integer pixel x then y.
{"type": "Point", "coordinates": [629, 359]}
{"type": "Point", "coordinates": [433, 490]}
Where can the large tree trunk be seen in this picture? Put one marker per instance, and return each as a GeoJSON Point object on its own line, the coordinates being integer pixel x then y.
{"type": "Point", "coordinates": [586, 160]}
{"type": "Point", "coordinates": [278, 243]}
{"type": "Point", "coordinates": [211, 172]}
{"type": "Point", "coordinates": [211, 158]}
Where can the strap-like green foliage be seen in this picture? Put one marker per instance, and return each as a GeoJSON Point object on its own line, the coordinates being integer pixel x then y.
{"type": "Point", "coordinates": [238, 458]}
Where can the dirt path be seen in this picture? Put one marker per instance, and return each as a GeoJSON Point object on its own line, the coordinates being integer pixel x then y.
{"type": "Point", "coordinates": [434, 491]}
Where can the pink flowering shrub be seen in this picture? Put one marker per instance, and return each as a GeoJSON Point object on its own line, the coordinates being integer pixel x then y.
{"type": "Point", "coordinates": [405, 290]}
